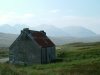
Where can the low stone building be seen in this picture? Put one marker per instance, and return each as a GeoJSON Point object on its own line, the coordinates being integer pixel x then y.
{"type": "Point", "coordinates": [32, 47]}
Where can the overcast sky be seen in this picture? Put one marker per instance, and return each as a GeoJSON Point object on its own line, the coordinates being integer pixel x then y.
{"type": "Point", "coordinates": [60, 13]}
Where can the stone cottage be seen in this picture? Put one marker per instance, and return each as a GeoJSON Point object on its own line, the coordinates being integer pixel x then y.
{"type": "Point", "coordinates": [32, 47]}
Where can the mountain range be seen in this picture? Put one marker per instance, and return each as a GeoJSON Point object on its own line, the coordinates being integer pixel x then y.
{"type": "Point", "coordinates": [59, 36]}
{"type": "Point", "coordinates": [6, 28]}
{"type": "Point", "coordinates": [72, 31]}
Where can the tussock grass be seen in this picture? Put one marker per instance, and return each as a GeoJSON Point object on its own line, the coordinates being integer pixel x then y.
{"type": "Point", "coordinates": [78, 59]}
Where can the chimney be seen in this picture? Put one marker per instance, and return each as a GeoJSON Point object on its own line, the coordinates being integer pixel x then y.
{"type": "Point", "coordinates": [26, 30]}
{"type": "Point", "coordinates": [42, 31]}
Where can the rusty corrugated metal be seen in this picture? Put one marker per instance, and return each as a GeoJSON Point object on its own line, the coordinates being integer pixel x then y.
{"type": "Point", "coordinates": [42, 40]}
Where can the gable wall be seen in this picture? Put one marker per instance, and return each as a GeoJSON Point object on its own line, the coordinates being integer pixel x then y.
{"type": "Point", "coordinates": [25, 50]}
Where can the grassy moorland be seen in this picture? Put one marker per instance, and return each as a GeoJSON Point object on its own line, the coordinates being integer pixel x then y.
{"type": "Point", "coordinates": [77, 59]}
{"type": "Point", "coordinates": [4, 52]}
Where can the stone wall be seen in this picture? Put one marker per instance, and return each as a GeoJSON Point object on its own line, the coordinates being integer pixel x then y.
{"type": "Point", "coordinates": [25, 51]}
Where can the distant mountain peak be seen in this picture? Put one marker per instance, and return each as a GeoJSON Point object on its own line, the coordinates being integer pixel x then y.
{"type": "Point", "coordinates": [78, 31]}
{"type": "Point", "coordinates": [51, 30]}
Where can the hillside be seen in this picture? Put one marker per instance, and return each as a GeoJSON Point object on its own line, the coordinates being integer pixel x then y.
{"type": "Point", "coordinates": [77, 59]}
{"type": "Point", "coordinates": [7, 39]}
{"type": "Point", "coordinates": [64, 40]}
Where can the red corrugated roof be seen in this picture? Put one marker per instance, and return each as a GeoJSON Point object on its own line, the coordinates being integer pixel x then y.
{"type": "Point", "coordinates": [42, 40]}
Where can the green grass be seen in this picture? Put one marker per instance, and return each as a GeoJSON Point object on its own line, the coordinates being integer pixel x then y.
{"type": "Point", "coordinates": [78, 59]}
